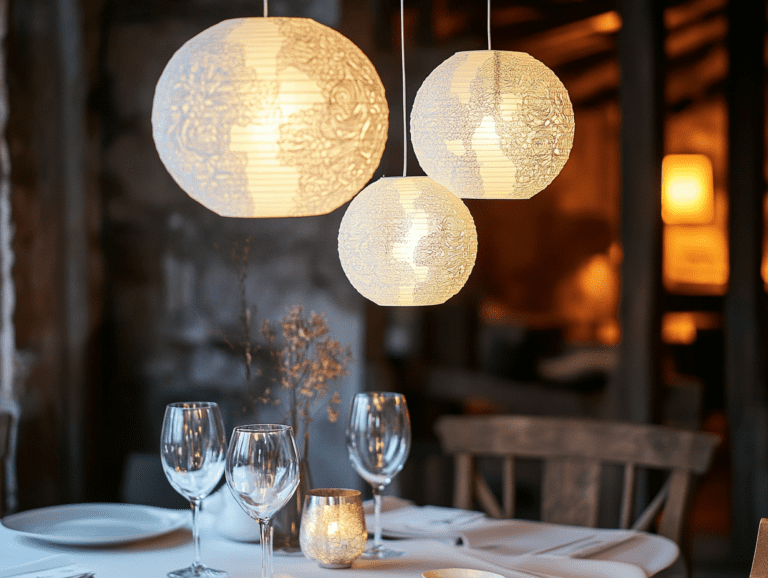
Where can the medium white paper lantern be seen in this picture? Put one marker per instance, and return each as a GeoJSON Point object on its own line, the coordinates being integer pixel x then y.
{"type": "Point", "coordinates": [270, 117]}
{"type": "Point", "coordinates": [407, 241]}
{"type": "Point", "coordinates": [492, 124]}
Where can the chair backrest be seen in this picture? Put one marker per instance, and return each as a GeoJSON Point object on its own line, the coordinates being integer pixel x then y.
{"type": "Point", "coordinates": [760, 561]}
{"type": "Point", "coordinates": [573, 452]}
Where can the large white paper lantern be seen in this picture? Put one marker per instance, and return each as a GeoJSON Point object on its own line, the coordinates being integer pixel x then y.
{"type": "Point", "coordinates": [270, 117]}
{"type": "Point", "coordinates": [407, 241]}
{"type": "Point", "coordinates": [492, 124]}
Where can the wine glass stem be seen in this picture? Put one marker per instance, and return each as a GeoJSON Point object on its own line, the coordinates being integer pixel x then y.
{"type": "Point", "coordinates": [195, 504]}
{"type": "Point", "coordinates": [376, 516]}
{"type": "Point", "coordinates": [265, 526]}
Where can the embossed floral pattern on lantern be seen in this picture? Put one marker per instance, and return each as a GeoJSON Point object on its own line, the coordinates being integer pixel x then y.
{"type": "Point", "coordinates": [492, 124]}
{"type": "Point", "coordinates": [270, 117]}
{"type": "Point", "coordinates": [407, 241]}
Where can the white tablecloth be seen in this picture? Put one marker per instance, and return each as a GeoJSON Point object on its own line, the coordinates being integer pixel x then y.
{"type": "Point", "coordinates": [157, 556]}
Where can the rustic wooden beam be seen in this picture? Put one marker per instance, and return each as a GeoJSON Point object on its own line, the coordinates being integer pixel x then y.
{"type": "Point", "coordinates": [745, 300]}
{"type": "Point", "coordinates": [641, 100]}
{"type": "Point", "coordinates": [76, 314]}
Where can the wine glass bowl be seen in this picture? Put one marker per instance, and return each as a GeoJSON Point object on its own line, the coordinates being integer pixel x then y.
{"type": "Point", "coordinates": [378, 441]}
{"type": "Point", "coordinates": [192, 451]}
{"type": "Point", "coordinates": [262, 471]}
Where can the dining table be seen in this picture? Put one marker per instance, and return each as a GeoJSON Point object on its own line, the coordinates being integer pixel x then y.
{"type": "Point", "coordinates": [128, 540]}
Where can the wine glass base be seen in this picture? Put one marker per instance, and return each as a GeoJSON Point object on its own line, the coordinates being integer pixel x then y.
{"type": "Point", "coordinates": [380, 553]}
{"type": "Point", "coordinates": [198, 571]}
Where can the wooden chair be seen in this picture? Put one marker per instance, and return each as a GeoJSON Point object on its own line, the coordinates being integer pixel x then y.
{"type": "Point", "coordinates": [760, 561]}
{"type": "Point", "coordinates": [573, 452]}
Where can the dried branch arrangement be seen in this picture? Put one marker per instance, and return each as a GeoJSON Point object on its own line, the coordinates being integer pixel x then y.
{"type": "Point", "coordinates": [306, 361]}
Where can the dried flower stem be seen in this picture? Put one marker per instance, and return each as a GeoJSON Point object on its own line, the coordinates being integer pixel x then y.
{"type": "Point", "coordinates": [306, 363]}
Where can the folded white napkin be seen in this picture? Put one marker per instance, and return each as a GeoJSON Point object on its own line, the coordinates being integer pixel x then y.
{"type": "Point", "coordinates": [448, 556]}
{"type": "Point", "coordinates": [228, 517]}
{"type": "Point", "coordinates": [570, 567]}
{"type": "Point", "coordinates": [432, 519]}
{"type": "Point", "coordinates": [517, 537]}
{"type": "Point", "coordinates": [550, 549]}
{"type": "Point", "coordinates": [427, 521]}
{"type": "Point", "coordinates": [591, 545]}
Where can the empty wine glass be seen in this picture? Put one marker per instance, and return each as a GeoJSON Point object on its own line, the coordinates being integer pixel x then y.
{"type": "Point", "coordinates": [192, 450]}
{"type": "Point", "coordinates": [262, 473]}
{"type": "Point", "coordinates": [378, 441]}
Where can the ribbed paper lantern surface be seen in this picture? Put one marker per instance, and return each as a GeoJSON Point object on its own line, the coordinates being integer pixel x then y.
{"type": "Point", "coordinates": [492, 124]}
{"type": "Point", "coordinates": [407, 241]}
{"type": "Point", "coordinates": [270, 117]}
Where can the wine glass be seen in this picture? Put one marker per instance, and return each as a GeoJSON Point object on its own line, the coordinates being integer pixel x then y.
{"type": "Point", "coordinates": [378, 441]}
{"type": "Point", "coordinates": [262, 473]}
{"type": "Point", "coordinates": [192, 450]}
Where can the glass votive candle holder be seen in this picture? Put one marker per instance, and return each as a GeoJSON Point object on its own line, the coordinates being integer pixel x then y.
{"type": "Point", "coordinates": [333, 531]}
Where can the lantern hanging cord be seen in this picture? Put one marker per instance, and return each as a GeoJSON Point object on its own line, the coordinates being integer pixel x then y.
{"type": "Point", "coordinates": [266, 8]}
{"type": "Point", "coordinates": [489, 24]}
{"type": "Point", "coordinates": [402, 58]}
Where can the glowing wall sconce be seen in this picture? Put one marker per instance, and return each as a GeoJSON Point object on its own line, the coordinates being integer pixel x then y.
{"type": "Point", "coordinates": [695, 256]}
{"type": "Point", "coordinates": [687, 191]}
{"type": "Point", "coordinates": [491, 124]}
{"type": "Point", "coordinates": [407, 241]}
{"type": "Point", "coordinates": [270, 117]}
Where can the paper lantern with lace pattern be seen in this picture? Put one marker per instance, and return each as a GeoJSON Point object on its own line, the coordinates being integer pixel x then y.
{"type": "Point", "coordinates": [407, 241]}
{"type": "Point", "coordinates": [491, 124]}
{"type": "Point", "coordinates": [270, 117]}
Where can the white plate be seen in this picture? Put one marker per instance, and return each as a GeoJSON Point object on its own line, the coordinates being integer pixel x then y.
{"type": "Point", "coordinates": [459, 573]}
{"type": "Point", "coordinates": [95, 524]}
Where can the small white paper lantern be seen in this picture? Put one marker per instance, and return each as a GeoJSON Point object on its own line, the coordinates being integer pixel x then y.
{"type": "Point", "coordinates": [492, 124]}
{"type": "Point", "coordinates": [270, 117]}
{"type": "Point", "coordinates": [407, 241]}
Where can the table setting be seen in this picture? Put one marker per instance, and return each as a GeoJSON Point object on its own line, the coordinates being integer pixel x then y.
{"type": "Point", "coordinates": [261, 468]}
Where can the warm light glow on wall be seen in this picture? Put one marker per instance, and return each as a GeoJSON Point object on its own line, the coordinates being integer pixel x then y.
{"type": "Point", "coordinates": [270, 117]}
{"type": "Point", "coordinates": [687, 193]}
{"type": "Point", "coordinates": [596, 278]}
{"type": "Point", "coordinates": [695, 259]}
{"type": "Point", "coordinates": [491, 124]}
{"type": "Point", "coordinates": [683, 327]}
{"type": "Point", "coordinates": [605, 23]}
{"type": "Point", "coordinates": [407, 241]}
{"type": "Point", "coordinates": [678, 328]}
